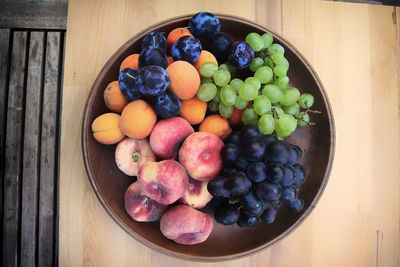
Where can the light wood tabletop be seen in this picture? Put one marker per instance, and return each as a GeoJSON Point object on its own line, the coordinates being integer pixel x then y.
{"type": "Point", "coordinates": [354, 48]}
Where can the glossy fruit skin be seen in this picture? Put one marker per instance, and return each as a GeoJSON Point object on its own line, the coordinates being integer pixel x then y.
{"type": "Point", "coordinates": [274, 172]}
{"type": "Point", "coordinates": [256, 171]}
{"type": "Point", "coordinates": [234, 138]}
{"type": "Point", "coordinates": [127, 81]}
{"type": "Point", "coordinates": [187, 48]}
{"type": "Point", "coordinates": [216, 187]}
{"type": "Point", "coordinates": [289, 195]}
{"type": "Point", "coordinates": [295, 153]}
{"type": "Point", "coordinates": [238, 184]}
{"type": "Point", "coordinates": [220, 45]}
{"type": "Point", "coordinates": [241, 163]}
{"type": "Point", "coordinates": [167, 105]}
{"type": "Point", "coordinates": [296, 206]}
{"type": "Point", "coordinates": [300, 174]}
{"type": "Point", "coordinates": [253, 212]}
{"type": "Point", "coordinates": [277, 152]}
{"type": "Point", "coordinates": [269, 215]}
{"type": "Point", "coordinates": [155, 39]}
{"type": "Point", "coordinates": [152, 56]}
{"type": "Point", "coordinates": [245, 220]}
{"type": "Point", "coordinates": [251, 201]}
{"type": "Point", "coordinates": [268, 139]}
{"type": "Point", "coordinates": [253, 149]}
{"type": "Point", "coordinates": [227, 214]}
{"type": "Point", "coordinates": [268, 192]}
{"type": "Point", "coordinates": [249, 131]}
{"type": "Point", "coordinates": [241, 55]}
{"type": "Point", "coordinates": [153, 80]}
{"type": "Point", "coordinates": [289, 175]}
{"type": "Point", "coordinates": [229, 154]}
{"type": "Point", "coordinates": [204, 25]}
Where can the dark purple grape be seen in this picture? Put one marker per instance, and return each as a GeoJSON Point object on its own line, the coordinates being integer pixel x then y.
{"type": "Point", "coordinates": [289, 175]}
{"type": "Point", "coordinates": [128, 84]}
{"type": "Point", "coordinates": [220, 45]}
{"type": "Point", "coordinates": [226, 172]}
{"type": "Point", "coordinates": [250, 201]}
{"type": "Point", "coordinates": [256, 171]}
{"type": "Point", "coordinates": [238, 184]}
{"type": "Point", "coordinates": [167, 105]}
{"type": "Point", "coordinates": [245, 220]}
{"type": "Point", "coordinates": [241, 55]}
{"type": "Point", "coordinates": [234, 138]}
{"type": "Point", "coordinates": [204, 25]}
{"type": "Point", "coordinates": [216, 187]}
{"type": "Point", "coordinates": [268, 139]}
{"type": "Point", "coordinates": [253, 149]}
{"type": "Point", "coordinates": [227, 214]}
{"type": "Point", "coordinates": [294, 153]}
{"type": "Point", "coordinates": [274, 172]}
{"type": "Point", "coordinates": [275, 204]}
{"type": "Point", "coordinates": [152, 56]}
{"type": "Point", "coordinates": [229, 154]}
{"type": "Point", "coordinates": [268, 192]}
{"type": "Point", "coordinates": [269, 215]}
{"type": "Point", "coordinates": [296, 206]}
{"type": "Point", "coordinates": [300, 174]}
{"type": "Point", "coordinates": [253, 212]}
{"type": "Point", "coordinates": [249, 131]}
{"type": "Point", "coordinates": [241, 163]}
{"type": "Point", "coordinates": [153, 80]}
{"type": "Point", "coordinates": [289, 194]}
{"type": "Point", "coordinates": [187, 48]}
{"type": "Point", "coordinates": [154, 39]}
{"type": "Point", "coordinates": [277, 152]}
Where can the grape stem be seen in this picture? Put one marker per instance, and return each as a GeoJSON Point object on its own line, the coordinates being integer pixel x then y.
{"type": "Point", "coordinates": [275, 113]}
{"type": "Point", "coordinates": [313, 111]}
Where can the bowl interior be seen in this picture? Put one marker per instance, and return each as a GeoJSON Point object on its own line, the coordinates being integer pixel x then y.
{"type": "Point", "coordinates": [225, 242]}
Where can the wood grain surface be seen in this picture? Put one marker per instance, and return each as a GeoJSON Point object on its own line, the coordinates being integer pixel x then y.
{"type": "Point", "coordinates": [354, 50]}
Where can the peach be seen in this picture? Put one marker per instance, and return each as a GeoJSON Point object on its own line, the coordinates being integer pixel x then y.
{"type": "Point", "coordinates": [200, 155]}
{"type": "Point", "coordinates": [168, 135]}
{"type": "Point", "coordinates": [138, 119]}
{"type": "Point", "coordinates": [113, 97]}
{"type": "Point", "coordinates": [164, 181]}
{"type": "Point", "coordinates": [186, 225]}
{"type": "Point", "coordinates": [196, 195]}
{"type": "Point", "coordinates": [185, 80]}
{"type": "Point", "coordinates": [106, 129]}
{"type": "Point", "coordinates": [132, 153]}
{"type": "Point", "coordinates": [140, 207]}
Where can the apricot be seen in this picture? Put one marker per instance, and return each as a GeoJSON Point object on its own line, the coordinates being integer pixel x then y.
{"type": "Point", "coordinates": [175, 34]}
{"type": "Point", "coordinates": [113, 97]}
{"type": "Point", "coordinates": [185, 80]}
{"type": "Point", "coordinates": [106, 129]}
{"type": "Point", "coordinates": [205, 56]}
{"type": "Point", "coordinates": [193, 110]}
{"type": "Point", "coordinates": [130, 62]}
{"type": "Point", "coordinates": [217, 125]}
{"type": "Point", "coordinates": [138, 119]}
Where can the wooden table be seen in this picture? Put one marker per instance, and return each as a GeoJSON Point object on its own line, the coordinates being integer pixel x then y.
{"type": "Point", "coordinates": [353, 48]}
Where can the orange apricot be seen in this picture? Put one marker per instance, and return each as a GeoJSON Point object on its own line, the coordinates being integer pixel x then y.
{"type": "Point", "coordinates": [170, 60]}
{"type": "Point", "coordinates": [205, 56]}
{"type": "Point", "coordinates": [193, 110]}
{"type": "Point", "coordinates": [138, 119]}
{"type": "Point", "coordinates": [106, 129]}
{"type": "Point", "coordinates": [236, 118]}
{"type": "Point", "coordinates": [215, 124]}
{"type": "Point", "coordinates": [113, 97]}
{"type": "Point", "coordinates": [130, 62]}
{"type": "Point", "coordinates": [175, 34]}
{"type": "Point", "coordinates": [185, 80]}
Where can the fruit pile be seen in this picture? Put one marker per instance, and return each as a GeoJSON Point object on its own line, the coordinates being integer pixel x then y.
{"type": "Point", "coordinates": [259, 173]}
{"type": "Point", "coordinates": [168, 140]}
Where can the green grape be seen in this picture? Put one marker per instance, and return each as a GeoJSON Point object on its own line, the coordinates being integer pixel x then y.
{"type": "Point", "coordinates": [290, 96]}
{"type": "Point", "coordinates": [285, 125]}
{"type": "Point", "coordinates": [208, 69]}
{"type": "Point", "coordinates": [280, 71]}
{"type": "Point", "coordinates": [248, 91]}
{"type": "Point", "coordinates": [306, 100]}
{"type": "Point", "coordinates": [282, 82]}
{"type": "Point", "coordinates": [225, 111]}
{"type": "Point", "coordinates": [251, 80]}
{"type": "Point", "coordinates": [236, 83]}
{"type": "Point", "coordinates": [240, 103]}
{"type": "Point", "coordinates": [276, 49]}
{"type": "Point", "coordinates": [213, 106]}
{"type": "Point", "coordinates": [230, 67]}
{"type": "Point", "coordinates": [273, 92]}
{"type": "Point", "coordinates": [261, 105]}
{"type": "Point", "coordinates": [223, 67]}
{"type": "Point", "coordinates": [222, 77]}
{"type": "Point", "coordinates": [268, 39]}
{"type": "Point", "coordinates": [228, 95]}
{"type": "Point", "coordinates": [206, 80]}
{"type": "Point", "coordinates": [303, 119]}
{"type": "Point", "coordinates": [292, 110]}
{"type": "Point", "coordinates": [266, 124]}
{"type": "Point", "coordinates": [256, 63]}
{"type": "Point", "coordinates": [207, 92]}
{"type": "Point", "coordinates": [249, 117]}
{"type": "Point", "coordinates": [278, 110]}
{"type": "Point", "coordinates": [263, 53]}
{"type": "Point", "coordinates": [268, 62]}
{"type": "Point", "coordinates": [255, 41]}
{"type": "Point", "coordinates": [277, 58]}
{"type": "Point", "coordinates": [264, 74]}
{"type": "Point", "coordinates": [217, 97]}
{"type": "Point", "coordinates": [284, 63]}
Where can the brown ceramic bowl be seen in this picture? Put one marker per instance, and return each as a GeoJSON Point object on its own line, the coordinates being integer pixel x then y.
{"type": "Point", "coordinates": [225, 242]}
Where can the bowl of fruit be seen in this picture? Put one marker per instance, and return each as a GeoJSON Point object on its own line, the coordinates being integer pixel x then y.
{"type": "Point", "coordinates": [208, 137]}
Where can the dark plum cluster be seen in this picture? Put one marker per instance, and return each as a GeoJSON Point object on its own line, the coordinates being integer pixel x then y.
{"type": "Point", "coordinates": [260, 173]}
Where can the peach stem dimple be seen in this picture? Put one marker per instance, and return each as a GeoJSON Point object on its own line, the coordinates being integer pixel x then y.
{"type": "Point", "coordinates": [136, 156]}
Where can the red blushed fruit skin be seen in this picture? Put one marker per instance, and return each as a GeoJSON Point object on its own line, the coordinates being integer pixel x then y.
{"type": "Point", "coordinates": [132, 153]}
{"type": "Point", "coordinates": [168, 135]}
{"type": "Point", "coordinates": [200, 154]}
{"type": "Point", "coordinates": [186, 225]}
{"type": "Point", "coordinates": [140, 207]}
{"type": "Point", "coordinates": [196, 195]}
{"type": "Point", "coordinates": [164, 181]}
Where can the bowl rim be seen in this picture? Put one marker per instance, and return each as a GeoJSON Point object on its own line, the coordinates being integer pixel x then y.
{"type": "Point", "coordinates": [89, 171]}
